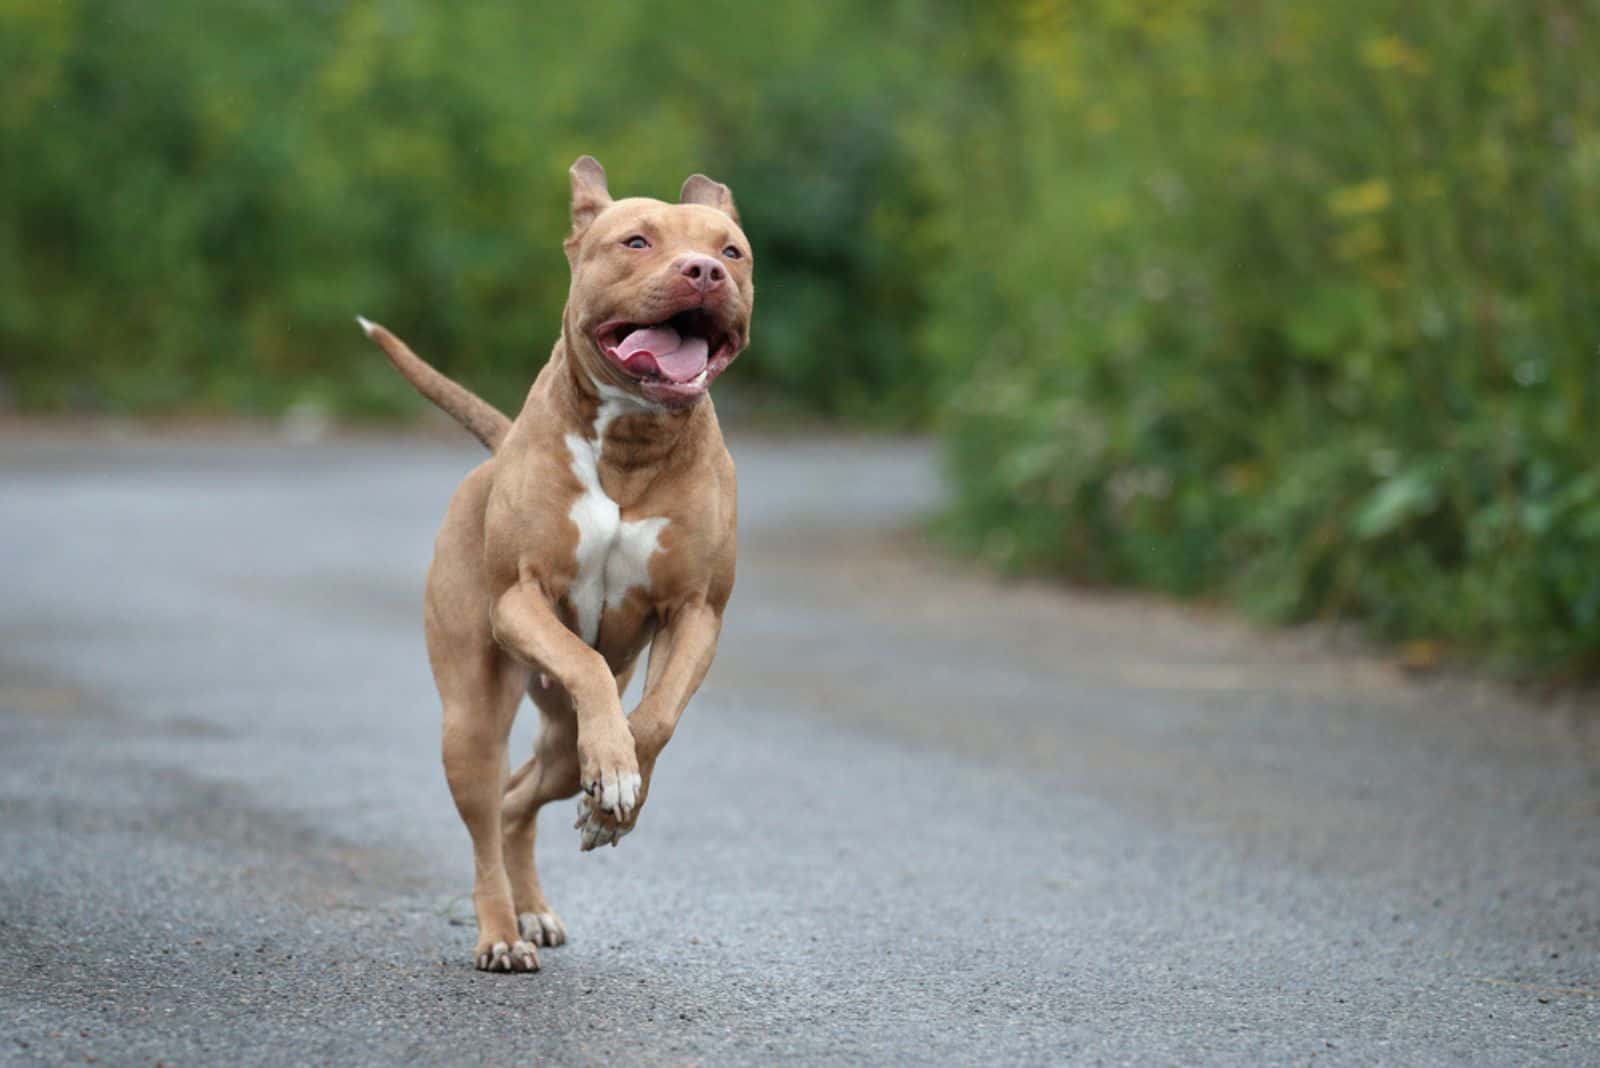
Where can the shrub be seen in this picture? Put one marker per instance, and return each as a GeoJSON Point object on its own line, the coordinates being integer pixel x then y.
{"type": "Point", "coordinates": [186, 224]}
{"type": "Point", "coordinates": [1295, 303]}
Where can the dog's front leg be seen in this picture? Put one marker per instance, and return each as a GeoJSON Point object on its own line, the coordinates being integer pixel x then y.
{"type": "Point", "coordinates": [525, 624]}
{"type": "Point", "coordinates": [691, 644]}
{"type": "Point", "coordinates": [680, 655]}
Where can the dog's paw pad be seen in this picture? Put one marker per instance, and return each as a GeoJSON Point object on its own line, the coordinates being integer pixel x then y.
{"type": "Point", "coordinates": [542, 928]}
{"type": "Point", "coordinates": [516, 956]}
{"type": "Point", "coordinates": [597, 827]}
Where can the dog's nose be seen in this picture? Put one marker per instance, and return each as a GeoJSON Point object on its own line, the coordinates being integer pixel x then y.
{"type": "Point", "coordinates": [703, 272]}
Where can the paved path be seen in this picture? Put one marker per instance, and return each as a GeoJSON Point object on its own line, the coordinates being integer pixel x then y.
{"type": "Point", "coordinates": [914, 817]}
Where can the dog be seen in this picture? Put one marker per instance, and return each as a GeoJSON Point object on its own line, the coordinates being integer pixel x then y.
{"type": "Point", "coordinates": [603, 522]}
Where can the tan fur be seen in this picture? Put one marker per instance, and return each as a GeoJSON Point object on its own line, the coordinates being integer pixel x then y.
{"type": "Point", "coordinates": [470, 410]}
{"type": "Point", "coordinates": [500, 617]}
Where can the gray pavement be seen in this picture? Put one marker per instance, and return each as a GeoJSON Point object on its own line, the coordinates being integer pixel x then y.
{"type": "Point", "coordinates": [915, 816]}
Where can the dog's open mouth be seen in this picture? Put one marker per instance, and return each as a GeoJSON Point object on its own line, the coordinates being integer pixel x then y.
{"type": "Point", "coordinates": [677, 357]}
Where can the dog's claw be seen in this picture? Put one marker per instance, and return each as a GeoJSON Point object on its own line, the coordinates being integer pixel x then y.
{"type": "Point", "coordinates": [516, 956]}
{"type": "Point", "coordinates": [542, 928]}
{"type": "Point", "coordinates": [597, 826]}
{"type": "Point", "coordinates": [608, 805]}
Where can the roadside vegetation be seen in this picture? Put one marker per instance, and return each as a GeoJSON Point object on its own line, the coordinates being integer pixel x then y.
{"type": "Point", "coordinates": [1288, 303]}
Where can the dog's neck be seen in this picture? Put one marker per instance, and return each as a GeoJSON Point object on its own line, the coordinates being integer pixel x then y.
{"type": "Point", "coordinates": [634, 438]}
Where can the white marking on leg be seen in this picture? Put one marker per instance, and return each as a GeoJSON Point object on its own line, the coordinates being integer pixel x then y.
{"type": "Point", "coordinates": [628, 787]}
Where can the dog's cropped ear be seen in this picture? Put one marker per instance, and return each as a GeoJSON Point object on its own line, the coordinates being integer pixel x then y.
{"type": "Point", "coordinates": [589, 194]}
{"type": "Point", "coordinates": [698, 189]}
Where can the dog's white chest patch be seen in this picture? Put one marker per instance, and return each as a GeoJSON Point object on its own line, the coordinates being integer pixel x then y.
{"type": "Point", "coordinates": [613, 553]}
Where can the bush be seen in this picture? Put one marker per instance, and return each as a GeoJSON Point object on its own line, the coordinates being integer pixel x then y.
{"type": "Point", "coordinates": [190, 224]}
{"type": "Point", "coordinates": [1294, 303]}
{"type": "Point", "coordinates": [1285, 301]}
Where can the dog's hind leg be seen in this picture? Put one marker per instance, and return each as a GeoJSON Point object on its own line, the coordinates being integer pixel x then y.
{"type": "Point", "coordinates": [480, 688]}
{"type": "Point", "coordinates": [551, 774]}
{"type": "Point", "coordinates": [480, 694]}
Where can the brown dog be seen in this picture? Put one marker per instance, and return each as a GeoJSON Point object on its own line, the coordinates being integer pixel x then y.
{"type": "Point", "coordinates": [604, 522]}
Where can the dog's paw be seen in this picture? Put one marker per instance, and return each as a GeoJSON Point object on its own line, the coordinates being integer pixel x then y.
{"type": "Point", "coordinates": [609, 775]}
{"type": "Point", "coordinates": [542, 928]}
{"type": "Point", "coordinates": [516, 956]}
{"type": "Point", "coordinates": [597, 827]}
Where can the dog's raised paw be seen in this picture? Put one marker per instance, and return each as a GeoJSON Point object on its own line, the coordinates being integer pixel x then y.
{"type": "Point", "coordinates": [615, 792]}
{"type": "Point", "coordinates": [597, 827]}
{"type": "Point", "coordinates": [516, 956]}
{"type": "Point", "coordinates": [542, 928]}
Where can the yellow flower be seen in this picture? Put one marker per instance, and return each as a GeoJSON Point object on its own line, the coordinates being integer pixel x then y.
{"type": "Point", "coordinates": [1393, 53]}
{"type": "Point", "coordinates": [1363, 198]}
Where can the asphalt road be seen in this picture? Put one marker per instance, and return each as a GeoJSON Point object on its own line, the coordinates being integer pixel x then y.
{"type": "Point", "coordinates": [915, 816]}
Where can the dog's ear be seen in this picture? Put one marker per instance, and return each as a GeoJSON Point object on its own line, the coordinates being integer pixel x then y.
{"type": "Point", "coordinates": [589, 194]}
{"type": "Point", "coordinates": [698, 189]}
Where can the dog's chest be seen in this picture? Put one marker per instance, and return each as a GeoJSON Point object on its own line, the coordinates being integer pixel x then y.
{"type": "Point", "coordinates": [613, 553]}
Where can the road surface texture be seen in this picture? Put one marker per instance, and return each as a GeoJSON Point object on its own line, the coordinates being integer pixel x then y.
{"type": "Point", "coordinates": [915, 815]}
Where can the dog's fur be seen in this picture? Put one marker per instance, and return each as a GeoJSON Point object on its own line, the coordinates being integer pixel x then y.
{"type": "Point", "coordinates": [603, 522]}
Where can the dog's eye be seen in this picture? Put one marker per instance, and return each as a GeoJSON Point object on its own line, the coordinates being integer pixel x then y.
{"type": "Point", "coordinates": [636, 241]}
{"type": "Point", "coordinates": [732, 252]}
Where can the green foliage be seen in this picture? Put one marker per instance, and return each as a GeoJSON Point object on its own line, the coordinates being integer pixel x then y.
{"type": "Point", "coordinates": [197, 197]}
{"type": "Point", "coordinates": [1287, 301]}
{"type": "Point", "coordinates": [1293, 302]}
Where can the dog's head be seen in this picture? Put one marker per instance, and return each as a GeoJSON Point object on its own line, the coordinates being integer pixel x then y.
{"type": "Point", "coordinates": [661, 293]}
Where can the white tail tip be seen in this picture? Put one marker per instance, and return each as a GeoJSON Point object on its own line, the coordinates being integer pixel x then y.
{"type": "Point", "coordinates": [366, 327]}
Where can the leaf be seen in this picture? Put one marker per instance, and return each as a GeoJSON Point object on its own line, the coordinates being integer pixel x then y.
{"type": "Point", "coordinates": [1332, 319]}
{"type": "Point", "coordinates": [1396, 502]}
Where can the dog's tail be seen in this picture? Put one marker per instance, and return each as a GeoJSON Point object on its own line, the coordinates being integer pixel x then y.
{"type": "Point", "coordinates": [480, 417]}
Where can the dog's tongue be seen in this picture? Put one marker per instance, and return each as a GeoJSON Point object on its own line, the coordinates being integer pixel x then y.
{"type": "Point", "coordinates": [659, 349]}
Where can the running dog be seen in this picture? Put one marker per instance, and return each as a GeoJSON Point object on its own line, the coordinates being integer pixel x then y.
{"type": "Point", "coordinates": [602, 523]}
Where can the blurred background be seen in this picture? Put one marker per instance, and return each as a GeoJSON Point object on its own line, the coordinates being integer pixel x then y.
{"type": "Point", "coordinates": [1283, 303]}
{"type": "Point", "coordinates": [1288, 308]}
